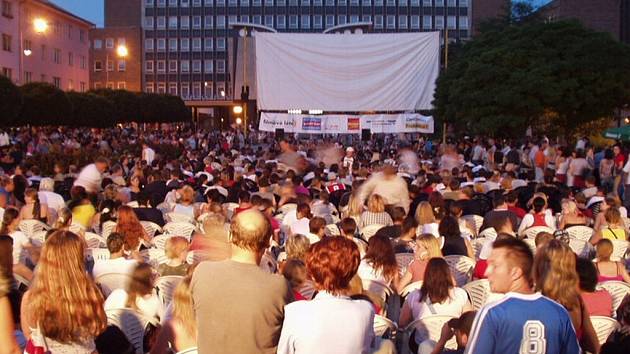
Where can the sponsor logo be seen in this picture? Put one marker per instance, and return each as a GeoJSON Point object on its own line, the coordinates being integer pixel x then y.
{"type": "Point", "coordinates": [354, 123]}
{"type": "Point", "coordinates": [311, 123]}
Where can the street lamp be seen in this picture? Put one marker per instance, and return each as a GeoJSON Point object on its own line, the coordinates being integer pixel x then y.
{"type": "Point", "coordinates": [27, 52]}
{"type": "Point", "coordinates": [238, 109]}
{"type": "Point", "coordinates": [121, 52]}
{"type": "Point", "coordinates": [40, 25]}
{"type": "Point", "coordinates": [239, 121]}
{"type": "Point", "coordinates": [222, 93]}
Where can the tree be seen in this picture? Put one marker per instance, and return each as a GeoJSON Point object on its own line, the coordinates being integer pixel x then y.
{"type": "Point", "coordinates": [90, 110]}
{"type": "Point", "coordinates": [44, 104]}
{"type": "Point", "coordinates": [126, 104]}
{"type": "Point", "coordinates": [10, 101]}
{"type": "Point", "coordinates": [163, 109]}
{"type": "Point", "coordinates": [536, 74]}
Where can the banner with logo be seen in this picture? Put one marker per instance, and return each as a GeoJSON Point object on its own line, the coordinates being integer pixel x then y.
{"type": "Point", "coordinates": [346, 124]}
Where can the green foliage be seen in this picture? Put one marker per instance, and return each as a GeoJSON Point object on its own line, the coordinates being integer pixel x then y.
{"type": "Point", "coordinates": [44, 104]}
{"type": "Point", "coordinates": [10, 101]}
{"type": "Point", "coordinates": [90, 110]}
{"type": "Point", "coordinates": [126, 104]}
{"type": "Point", "coordinates": [163, 108]}
{"type": "Point", "coordinates": [540, 74]}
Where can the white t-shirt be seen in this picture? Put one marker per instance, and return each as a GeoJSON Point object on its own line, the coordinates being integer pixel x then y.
{"type": "Point", "coordinates": [148, 154]}
{"type": "Point", "coordinates": [367, 272]}
{"type": "Point", "coordinates": [53, 200]}
{"type": "Point", "coordinates": [300, 226]}
{"type": "Point", "coordinates": [90, 179]}
{"type": "Point", "coordinates": [454, 306]}
{"type": "Point", "coordinates": [19, 241]}
{"type": "Point", "coordinates": [150, 305]}
{"type": "Point", "coordinates": [116, 265]}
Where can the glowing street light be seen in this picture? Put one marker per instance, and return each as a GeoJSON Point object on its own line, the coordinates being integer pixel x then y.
{"type": "Point", "coordinates": [27, 52]}
{"type": "Point", "coordinates": [239, 121]}
{"type": "Point", "coordinates": [238, 109]}
{"type": "Point", "coordinates": [40, 25]}
{"type": "Point", "coordinates": [222, 93]}
{"type": "Point", "coordinates": [122, 51]}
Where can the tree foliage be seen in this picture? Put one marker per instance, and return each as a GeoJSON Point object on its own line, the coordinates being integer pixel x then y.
{"type": "Point", "coordinates": [10, 101]}
{"type": "Point", "coordinates": [44, 104]}
{"type": "Point", "coordinates": [90, 110]}
{"type": "Point", "coordinates": [536, 74]}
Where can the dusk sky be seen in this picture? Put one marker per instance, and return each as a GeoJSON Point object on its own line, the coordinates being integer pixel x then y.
{"type": "Point", "coordinates": [92, 10]}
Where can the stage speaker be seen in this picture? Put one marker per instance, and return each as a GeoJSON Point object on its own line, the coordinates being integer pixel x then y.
{"type": "Point", "coordinates": [279, 134]}
{"type": "Point", "coordinates": [366, 135]}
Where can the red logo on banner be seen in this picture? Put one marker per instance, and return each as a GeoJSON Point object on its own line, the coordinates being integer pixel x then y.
{"type": "Point", "coordinates": [354, 123]}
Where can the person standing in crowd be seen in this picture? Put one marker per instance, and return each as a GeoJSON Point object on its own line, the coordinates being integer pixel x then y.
{"type": "Point", "coordinates": [240, 308]}
{"type": "Point", "coordinates": [148, 154]}
{"type": "Point", "coordinates": [391, 187]}
{"type": "Point", "coordinates": [91, 176]}
{"type": "Point", "coordinates": [521, 320]}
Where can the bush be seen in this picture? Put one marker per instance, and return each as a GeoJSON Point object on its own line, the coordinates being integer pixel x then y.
{"type": "Point", "coordinates": [10, 101]}
{"type": "Point", "coordinates": [44, 104]}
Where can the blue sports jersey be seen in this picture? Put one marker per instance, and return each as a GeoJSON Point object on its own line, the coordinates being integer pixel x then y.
{"type": "Point", "coordinates": [523, 324]}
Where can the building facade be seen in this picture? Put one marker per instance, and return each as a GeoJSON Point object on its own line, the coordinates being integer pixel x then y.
{"type": "Point", "coordinates": [186, 41]}
{"type": "Point", "coordinates": [109, 67]}
{"type": "Point", "coordinates": [43, 42]}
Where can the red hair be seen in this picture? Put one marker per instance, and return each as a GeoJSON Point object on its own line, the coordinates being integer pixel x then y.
{"type": "Point", "coordinates": [332, 262]}
{"type": "Point", "coordinates": [129, 227]}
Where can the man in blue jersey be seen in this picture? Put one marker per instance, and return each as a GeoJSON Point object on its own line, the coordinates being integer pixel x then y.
{"type": "Point", "coordinates": [522, 322]}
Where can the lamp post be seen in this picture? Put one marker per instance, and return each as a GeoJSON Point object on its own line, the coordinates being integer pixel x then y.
{"type": "Point", "coordinates": [121, 52]}
{"type": "Point", "coordinates": [39, 26]}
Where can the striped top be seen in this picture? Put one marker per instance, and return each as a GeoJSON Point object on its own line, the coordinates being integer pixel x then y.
{"type": "Point", "coordinates": [370, 218]}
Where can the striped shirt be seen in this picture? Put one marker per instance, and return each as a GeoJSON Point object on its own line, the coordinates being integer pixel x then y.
{"type": "Point", "coordinates": [370, 218]}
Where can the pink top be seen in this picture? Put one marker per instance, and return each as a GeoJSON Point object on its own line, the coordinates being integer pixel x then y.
{"type": "Point", "coordinates": [603, 278]}
{"type": "Point", "coordinates": [598, 303]}
{"type": "Point", "coordinates": [417, 268]}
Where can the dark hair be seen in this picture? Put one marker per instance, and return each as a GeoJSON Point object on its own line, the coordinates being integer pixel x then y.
{"type": "Point", "coordinates": [243, 196]}
{"type": "Point", "coordinates": [449, 227]}
{"type": "Point", "coordinates": [397, 214]}
{"type": "Point", "coordinates": [380, 255]}
{"type": "Point", "coordinates": [348, 226]}
{"type": "Point", "coordinates": [77, 195]}
{"type": "Point", "coordinates": [538, 204]}
{"type": "Point", "coordinates": [408, 225]}
{"type": "Point", "coordinates": [115, 242]}
{"type": "Point", "coordinates": [438, 281]}
{"type": "Point", "coordinates": [518, 254]}
{"type": "Point", "coordinates": [588, 274]}
{"type": "Point", "coordinates": [498, 200]}
{"type": "Point", "coordinates": [316, 224]}
{"type": "Point", "coordinates": [10, 214]}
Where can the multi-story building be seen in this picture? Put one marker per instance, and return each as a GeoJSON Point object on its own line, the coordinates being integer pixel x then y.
{"type": "Point", "coordinates": [43, 42]}
{"type": "Point", "coordinates": [116, 58]}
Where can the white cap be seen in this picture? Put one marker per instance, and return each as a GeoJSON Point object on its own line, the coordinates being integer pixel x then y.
{"type": "Point", "coordinates": [309, 176]}
{"type": "Point", "coordinates": [349, 149]}
{"type": "Point", "coordinates": [479, 179]}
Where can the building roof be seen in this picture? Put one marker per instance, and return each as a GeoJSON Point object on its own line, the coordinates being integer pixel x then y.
{"type": "Point", "coordinates": [63, 11]}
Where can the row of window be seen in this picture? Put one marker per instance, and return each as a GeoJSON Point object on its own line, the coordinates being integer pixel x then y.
{"type": "Point", "coordinates": [121, 85]}
{"type": "Point", "coordinates": [159, 66]}
{"type": "Point", "coordinates": [109, 43]}
{"type": "Point", "coordinates": [245, 3]}
{"type": "Point", "coordinates": [98, 65]}
{"type": "Point", "coordinates": [28, 77]}
{"type": "Point", "coordinates": [199, 89]}
{"type": "Point", "coordinates": [56, 55]}
{"type": "Point", "coordinates": [59, 29]}
{"type": "Point", "coordinates": [380, 21]}
{"type": "Point", "coordinates": [159, 44]}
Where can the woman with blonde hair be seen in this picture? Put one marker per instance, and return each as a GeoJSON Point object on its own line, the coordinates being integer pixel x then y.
{"type": "Point", "coordinates": [180, 331]}
{"type": "Point", "coordinates": [613, 227]}
{"type": "Point", "coordinates": [354, 209]}
{"type": "Point", "coordinates": [426, 247]}
{"type": "Point", "coordinates": [185, 204]}
{"type": "Point", "coordinates": [571, 215]}
{"type": "Point", "coordinates": [63, 309]}
{"type": "Point", "coordinates": [608, 270]}
{"type": "Point", "coordinates": [297, 246]}
{"type": "Point", "coordinates": [555, 276]}
{"type": "Point", "coordinates": [176, 250]}
{"type": "Point", "coordinates": [375, 213]}
{"type": "Point", "coordinates": [130, 227]}
{"type": "Point", "coordinates": [427, 222]}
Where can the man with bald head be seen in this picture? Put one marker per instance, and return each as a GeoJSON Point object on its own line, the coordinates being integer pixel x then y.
{"type": "Point", "coordinates": [240, 308]}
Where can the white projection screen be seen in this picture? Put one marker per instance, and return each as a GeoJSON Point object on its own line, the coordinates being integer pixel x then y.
{"type": "Point", "coordinates": [346, 72]}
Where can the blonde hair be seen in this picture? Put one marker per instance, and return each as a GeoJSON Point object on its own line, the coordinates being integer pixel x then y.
{"type": "Point", "coordinates": [612, 216]}
{"type": "Point", "coordinates": [355, 206]}
{"type": "Point", "coordinates": [64, 219]}
{"type": "Point", "coordinates": [297, 246]}
{"type": "Point", "coordinates": [175, 246]}
{"type": "Point", "coordinates": [64, 301]}
{"type": "Point", "coordinates": [431, 244]}
{"type": "Point", "coordinates": [604, 249]}
{"type": "Point", "coordinates": [376, 204]}
{"type": "Point", "coordinates": [569, 206]}
{"type": "Point", "coordinates": [188, 195]}
{"type": "Point", "coordinates": [555, 275]}
{"type": "Point", "coordinates": [424, 214]}
{"type": "Point", "coordinates": [183, 311]}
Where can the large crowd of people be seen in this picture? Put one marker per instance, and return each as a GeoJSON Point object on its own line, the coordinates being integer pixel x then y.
{"type": "Point", "coordinates": [249, 243]}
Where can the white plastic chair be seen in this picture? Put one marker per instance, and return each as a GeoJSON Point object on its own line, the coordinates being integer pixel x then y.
{"type": "Point", "coordinates": [99, 254]}
{"type": "Point", "coordinates": [478, 292]}
{"type": "Point", "coordinates": [582, 233]}
{"type": "Point", "coordinates": [177, 217]}
{"type": "Point", "coordinates": [380, 289]}
{"type": "Point", "coordinates": [166, 287]}
{"type": "Point", "coordinates": [179, 229]}
{"type": "Point", "coordinates": [39, 238]}
{"type": "Point", "coordinates": [409, 288]}
{"type": "Point", "coordinates": [461, 268]}
{"type": "Point", "coordinates": [603, 326]}
{"type": "Point", "coordinates": [430, 327]}
{"type": "Point", "coordinates": [332, 230]}
{"type": "Point", "coordinates": [30, 227]}
{"type": "Point", "coordinates": [475, 220]}
{"type": "Point", "coordinates": [382, 325]}
{"type": "Point", "coordinates": [477, 245]}
{"type": "Point", "coordinates": [112, 281]}
{"type": "Point", "coordinates": [132, 323]}
{"type": "Point", "coordinates": [370, 230]}
{"type": "Point", "coordinates": [533, 231]}
{"type": "Point", "coordinates": [531, 243]}
{"type": "Point", "coordinates": [196, 256]}
{"type": "Point", "coordinates": [154, 256]}
{"type": "Point", "coordinates": [489, 234]}
{"type": "Point", "coordinates": [617, 289]}
{"type": "Point", "coordinates": [578, 246]}
{"type": "Point", "coordinates": [159, 241]}
{"type": "Point", "coordinates": [94, 240]}
{"type": "Point", "coordinates": [188, 351]}
{"type": "Point", "coordinates": [229, 208]}
{"type": "Point", "coordinates": [620, 248]}
{"type": "Point", "coordinates": [151, 228]}
{"type": "Point", "coordinates": [76, 228]}
{"type": "Point", "coordinates": [21, 281]}
{"type": "Point", "coordinates": [107, 228]}
{"type": "Point", "coordinates": [403, 260]}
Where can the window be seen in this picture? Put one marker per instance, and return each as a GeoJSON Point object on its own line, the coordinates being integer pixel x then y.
{"type": "Point", "coordinates": [221, 66]}
{"type": "Point", "coordinates": [256, 3]}
{"type": "Point", "coordinates": [451, 22]}
{"type": "Point", "coordinates": [391, 21]}
{"type": "Point", "coordinates": [220, 3]}
{"type": "Point", "coordinates": [172, 66]}
{"type": "Point", "coordinates": [306, 2]}
{"type": "Point", "coordinates": [232, 19]}
{"type": "Point", "coordinates": [122, 65]}
{"type": "Point", "coordinates": [148, 3]}
{"type": "Point", "coordinates": [98, 65]}
{"type": "Point", "coordinates": [367, 3]}
{"type": "Point", "coordinates": [354, 18]}
{"type": "Point", "coordinates": [82, 86]}
{"type": "Point", "coordinates": [161, 87]}
{"type": "Point", "coordinates": [281, 2]}
{"type": "Point", "coordinates": [220, 89]}
{"type": "Point", "coordinates": [257, 19]}
{"type": "Point", "coordinates": [209, 23]}
{"type": "Point", "coordinates": [109, 43]}
{"type": "Point", "coordinates": [6, 42]}
{"type": "Point", "coordinates": [7, 9]}
{"type": "Point", "coordinates": [208, 66]}
{"type": "Point", "coordinates": [56, 81]}
{"type": "Point", "coordinates": [317, 2]}
{"type": "Point", "coordinates": [245, 18]}
{"type": "Point", "coordinates": [330, 21]}
{"type": "Point", "coordinates": [172, 88]}
{"type": "Point", "coordinates": [196, 3]}
{"type": "Point", "coordinates": [463, 22]}
{"type": "Point", "coordinates": [341, 19]}
{"type": "Point", "coordinates": [98, 44]}
{"type": "Point", "coordinates": [269, 3]}
{"type": "Point", "coordinates": [57, 56]}
{"type": "Point", "coordinates": [220, 21]}
{"type": "Point", "coordinates": [148, 66]}
{"type": "Point", "coordinates": [161, 66]}
{"type": "Point", "coordinates": [317, 21]}
{"type": "Point", "coordinates": [402, 3]}
{"type": "Point", "coordinates": [391, 2]}
{"type": "Point", "coordinates": [415, 3]}
{"type": "Point", "coordinates": [330, 2]}
{"type": "Point", "coordinates": [232, 3]}
{"type": "Point", "coordinates": [427, 3]}
{"type": "Point", "coordinates": [220, 43]}
{"type": "Point", "coordinates": [378, 21]}
{"type": "Point", "coordinates": [439, 3]}
{"type": "Point", "coordinates": [415, 22]}
{"type": "Point", "coordinates": [83, 62]}
{"type": "Point", "coordinates": [43, 52]}
{"type": "Point", "coordinates": [402, 21]}
{"type": "Point", "coordinates": [184, 22]}
{"type": "Point", "coordinates": [245, 3]}
{"type": "Point", "coordinates": [196, 44]}
{"type": "Point", "coordinates": [196, 66]}
{"type": "Point", "coordinates": [293, 2]}
{"type": "Point", "coordinates": [161, 22]}
{"type": "Point", "coordinates": [452, 3]}
{"type": "Point", "coordinates": [207, 89]}
{"type": "Point", "coordinates": [208, 2]}
{"type": "Point", "coordinates": [70, 59]}
{"type": "Point", "coordinates": [184, 66]}
{"type": "Point", "coordinates": [208, 43]}
{"type": "Point", "coordinates": [269, 20]}
{"type": "Point", "coordinates": [196, 21]}
{"type": "Point", "coordinates": [354, 2]}
{"type": "Point", "coordinates": [293, 21]}
{"type": "Point", "coordinates": [148, 22]}
{"type": "Point", "coordinates": [172, 3]}
{"type": "Point", "coordinates": [172, 44]}
{"type": "Point", "coordinates": [426, 22]}
{"type": "Point", "coordinates": [196, 89]}
{"type": "Point", "coordinates": [8, 72]}
{"type": "Point", "coordinates": [306, 22]}
{"type": "Point", "coordinates": [184, 44]}
{"type": "Point", "coordinates": [367, 18]}
{"type": "Point", "coordinates": [28, 77]}
{"type": "Point", "coordinates": [110, 65]}
{"type": "Point", "coordinates": [341, 2]}
{"type": "Point", "coordinates": [439, 22]}
{"type": "Point", "coordinates": [121, 85]}
{"type": "Point", "coordinates": [280, 21]}
{"type": "Point", "coordinates": [172, 22]}
{"type": "Point", "coordinates": [161, 44]}
{"type": "Point", "coordinates": [378, 2]}
{"type": "Point", "coordinates": [184, 3]}
{"type": "Point", "coordinates": [148, 44]}
{"type": "Point", "coordinates": [185, 90]}
{"type": "Point", "coordinates": [463, 3]}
